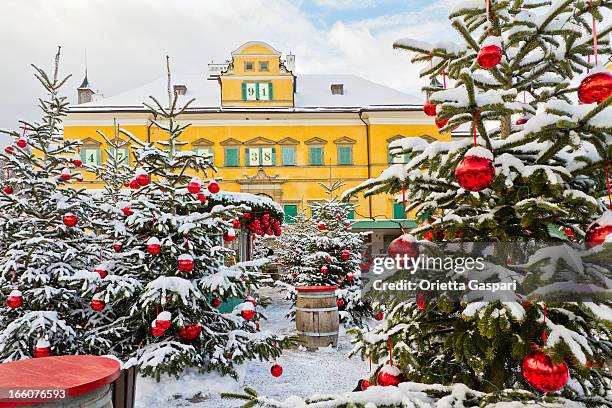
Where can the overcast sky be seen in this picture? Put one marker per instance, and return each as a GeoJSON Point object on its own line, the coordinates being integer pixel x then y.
{"type": "Point", "coordinates": [126, 40]}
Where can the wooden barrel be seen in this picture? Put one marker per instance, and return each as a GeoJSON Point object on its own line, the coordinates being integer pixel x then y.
{"type": "Point", "coordinates": [316, 316]}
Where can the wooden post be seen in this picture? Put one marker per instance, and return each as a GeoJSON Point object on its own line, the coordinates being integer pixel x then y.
{"type": "Point", "coordinates": [124, 389]}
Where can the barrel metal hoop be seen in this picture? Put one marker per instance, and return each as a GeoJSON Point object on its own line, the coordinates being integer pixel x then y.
{"type": "Point", "coordinates": [320, 309]}
{"type": "Point", "coordinates": [313, 334]}
{"type": "Point", "coordinates": [328, 295]}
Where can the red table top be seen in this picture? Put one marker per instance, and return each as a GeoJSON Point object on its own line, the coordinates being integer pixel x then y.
{"type": "Point", "coordinates": [75, 374]}
{"type": "Point", "coordinates": [315, 288]}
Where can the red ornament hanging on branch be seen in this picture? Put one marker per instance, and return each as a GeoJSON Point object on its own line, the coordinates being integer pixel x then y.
{"type": "Point", "coordinates": [389, 376]}
{"type": "Point", "coordinates": [247, 311]}
{"type": "Point", "coordinates": [14, 299]}
{"type": "Point", "coordinates": [42, 348]}
{"type": "Point", "coordinates": [65, 175]}
{"type": "Point", "coordinates": [476, 171]}
{"type": "Point", "coordinates": [216, 303]}
{"type": "Point", "coordinates": [8, 190]}
{"type": "Point", "coordinates": [595, 87]}
{"type": "Point", "coordinates": [541, 373]}
{"type": "Point", "coordinates": [98, 304]}
{"type": "Point", "coordinates": [229, 235]}
{"type": "Point", "coordinates": [490, 53]}
{"type": "Point", "coordinates": [156, 331]}
{"type": "Point", "coordinates": [429, 108]}
{"type": "Point", "coordinates": [405, 244]}
{"type": "Point", "coordinates": [22, 142]}
{"type": "Point", "coordinates": [117, 246]}
{"type": "Point", "coordinates": [421, 300]}
{"type": "Point", "coordinates": [9, 149]}
{"type": "Point", "coordinates": [153, 246]}
{"type": "Point", "coordinates": [213, 187]}
{"type": "Point", "coordinates": [142, 177]}
{"type": "Point", "coordinates": [134, 184]}
{"type": "Point", "coordinates": [70, 220]}
{"type": "Point", "coordinates": [127, 211]}
{"type": "Point", "coordinates": [194, 186]}
{"type": "Point", "coordinates": [598, 231]}
{"type": "Point", "coordinates": [190, 332]}
{"type": "Point", "coordinates": [345, 255]}
{"type": "Point", "coordinates": [185, 263]}
{"type": "Point", "coordinates": [163, 320]}
{"type": "Point", "coordinates": [76, 160]}
{"type": "Point", "coordinates": [101, 270]}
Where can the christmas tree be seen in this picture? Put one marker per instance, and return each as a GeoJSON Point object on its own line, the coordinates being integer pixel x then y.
{"type": "Point", "coordinates": [168, 276]}
{"type": "Point", "coordinates": [534, 173]}
{"type": "Point", "coordinates": [44, 235]}
{"type": "Point", "coordinates": [323, 251]}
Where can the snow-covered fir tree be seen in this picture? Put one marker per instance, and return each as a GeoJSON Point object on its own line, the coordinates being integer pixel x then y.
{"type": "Point", "coordinates": [45, 235]}
{"type": "Point", "coordinates": [323, 251]}
{"type": "Point", "coordinates": [164, 284]}
{"type": "Point", "coordinates": [535, 173]}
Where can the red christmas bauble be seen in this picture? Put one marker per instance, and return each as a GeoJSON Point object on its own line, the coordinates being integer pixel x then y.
{"type": "Point", "coordinates": [201, 197]}
{"type": "Point", "coordinates": [65, 175]}
{"type": "Point", "coordinates": [328, 259]}
{"type": "Point", "coordinates": [324, 269]}
{"type": "Point", "coordinates": [489, 56]}
{"type": "Point", "coordinates": [541, 373]}
{"type": "Point", "coordinates": [345, 255]}
{"type": "Point", "coordinates": [247, 314]}
{"type": "Point", "coordinates": [76, 160]}
{"type": "Point", "coordinates": [153, 246]}
{"type": "Point", "coordinates": [321, 226]}
{"type": "Point", "coordinates": [162, 321]}
{"type": "Point", "coordinates": [276, 370]}
{"type": "Point", "coordinates": [216, 303]}
{"type": "Point", "coordinates": [596, 87]}
{"type": "Point", "coordinates": [185, 263]}
{"type": "Point", "coordinates": [521, 121]}
{"type": "Point", "coordinates": [229, 236]}
{"type": "Point", "coordinates": [379, 316]}
{"type": "Point", "coordinates": [340, 302]}
{"type": "Point", "coordinates": [9, 149]}
{"type": "Point", "coordinates": [475, 173]}
{"type": "Point", "coordinates": [134, 185]}
{"type": "Point", "coordinates": [190, 332]}
{"type": "Point", "coordinates": [117, 246]}
{"type": "Point", "coordinates": [194, 185]}
{"type": "Point", "coordinates": [569, 233]}
{"type": "Point", "coordinates": [441, 123]}
{"type": "Point", "coordinates": [142, 179]}
{"type": "Point", "coordinates": [236, 223]}
{"type": "Point", "coordinates": [42, 352]}
{"type": "Point", "coordinates": [70, 220]}
{"type": "Point", "coordinates": [14, 299]}
{"type": "Point", "coordinates": [127, 211]}
{"type": "Point", "coordinates": [420, 300]}
{"type": "Point", "coordinates": [156, 331]}
{"type": "Point", "coordinates": [389, 376]}
{"type": "Point", "coordinates": [246, 216]}
{"type": "Point", "coordinates": [101, 271]}
{"type": "Point", "coordinates": [22, 143]}
{"type": "Point", "coordinates": [598, 231]}
{"type": "Point", "coordinates": [213, 187]}
{"type": "Point", "coordinates": [403, 245]}
{"type": "Point", "coordinates": [8, 190]}
{"type": "Point", "coordinates": [256, 325]}
{"type": "Point", "coordinates": [98, 305]}
{"type": "Point", "coordinates": [429, 108]}
{"type": "Point", "coordinates": [277, 232]}
{"type": "Point", "coordinates": [364, 384]}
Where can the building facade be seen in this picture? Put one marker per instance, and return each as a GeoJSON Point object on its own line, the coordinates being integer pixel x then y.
{"type": "Point", "coordinates": [270, 130]}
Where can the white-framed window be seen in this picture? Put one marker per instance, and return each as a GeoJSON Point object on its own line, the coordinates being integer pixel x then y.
{"type": "Point", "coordinates": [260, 156]}
{"type": "Point", "coordinates": [90, 155]}
{"type": "Point", "coordinates": [205, 151]}
{"type": "Point", "coordinates": [264, 91]}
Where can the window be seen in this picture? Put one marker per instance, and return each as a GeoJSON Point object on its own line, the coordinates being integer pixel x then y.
{"type": "Point", "coordinates": [288, 155]}
{"type": "Point", "coordinates": [256, 91]}
{"type": "Point", "coordinates": [399, 158]}
{"type": "Point", "coordinates": [291, 211]}
{"type": "Point", "coordinates": [249, 66]}
{"type": "Point", "coordinates": [90, 155]}
{"type": "Point", "coordinates": [260, 156]}
{"type": "Point", "coordinates": [345, 155]}
{"type": "Point", "coordinates": [264, 66]}
{"type": "Point", "coordinates": [398, 211]}
{"type": "Point", "coordinates": [123, 156]}
{"type": "Point", "coordinates": [351, 211]}
{"type": "Point", "coordinates": [232, 156]}
{"type": "Point", "coordinates": [315, 155]}
{"type": "Point", "coordinates": [205, 151]}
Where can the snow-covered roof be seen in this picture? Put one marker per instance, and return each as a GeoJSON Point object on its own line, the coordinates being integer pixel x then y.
{"type": "Point", "coordinates": [313, 93]}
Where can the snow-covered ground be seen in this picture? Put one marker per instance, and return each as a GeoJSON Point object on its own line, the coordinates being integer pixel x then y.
{"type": "Point", "coordinates": [304, 373]}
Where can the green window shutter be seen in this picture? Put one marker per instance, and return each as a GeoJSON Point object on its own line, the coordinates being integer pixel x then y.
{"type": "Point", "coordinates": [83, 155]}
{"type": "Point", "coordinates": [288, 155]}
{"type": "Point", "coordinates": [99, 155]}
{"type": "Point", "coordinates": [389, 157]}
{"type": "Point", "coordinates": [257, 90]}
{"type": "Point", "coordinates": [274, 156]}
{"type": "Point", "coordinates": [247, 159]}
{"type": "Point", "coordinates": [290, 212]}
{"type": "Point", "coordinates": [231, 157]}
{"type": "Point", "coordinates": [244, 98]}
{"type": "Point", "coordinates": [316, 156]}
{"type": "Point", "coordinates": [270, 90]}
{"type": "Point", "coordinates": [398, 211]}
{"type": "Point", "coordinates": [345, 155]}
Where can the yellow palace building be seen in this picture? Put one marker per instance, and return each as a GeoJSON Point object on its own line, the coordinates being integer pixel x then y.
{"type": "Point", "coordinates": [270, 130]}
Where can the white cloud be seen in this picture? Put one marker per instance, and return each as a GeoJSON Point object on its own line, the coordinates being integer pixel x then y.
{"type": "Point", "coordinates": [345, 4]}
{"type": "Point", "coordinates": [126, 41]}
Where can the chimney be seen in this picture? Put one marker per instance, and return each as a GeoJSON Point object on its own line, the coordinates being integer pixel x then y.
{"type": "Point", "coordinates": [337, 89]}
{"type": "Point", "coordinates": [290, 62]}
{"type": "Point", "coordinates": [180, 89]}
{"type": "Point", "coordinates": [84, 91]}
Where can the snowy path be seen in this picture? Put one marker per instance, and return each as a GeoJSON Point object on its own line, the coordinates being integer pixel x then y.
{"type": "Point", "coordinates": [305, 373]}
